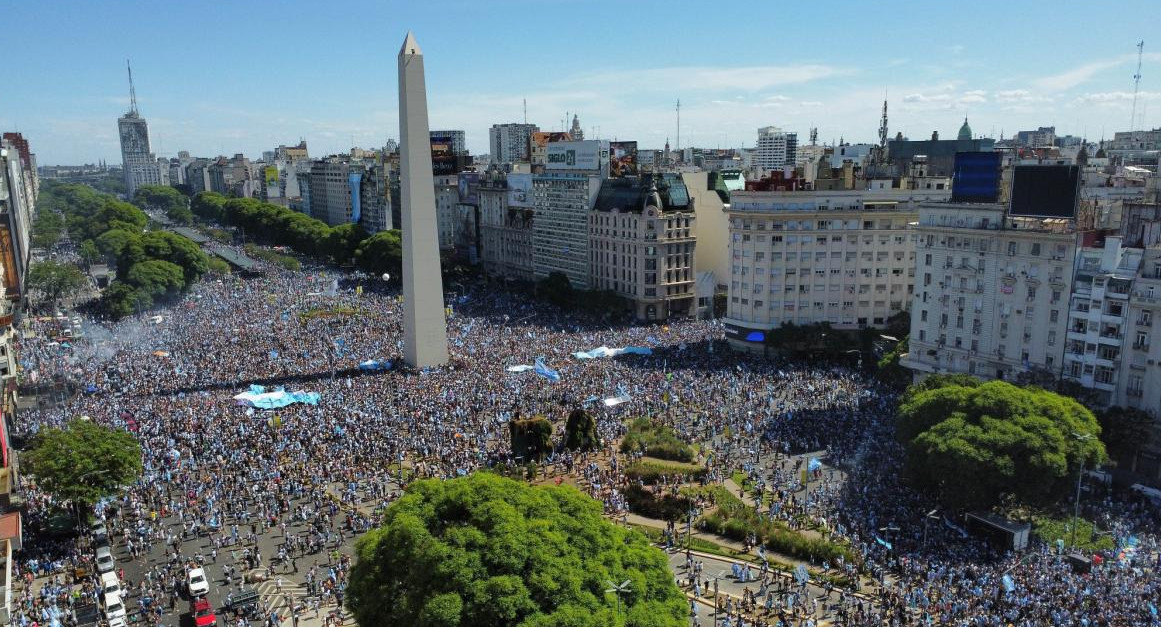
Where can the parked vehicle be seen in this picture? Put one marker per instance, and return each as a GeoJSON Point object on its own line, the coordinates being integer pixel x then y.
{"type": "Point", "coordinates": [197, 583]}
{"type": "Point", "coordinates": [203, 614]}
{"type": "Point", "coordinates": [105, 562]}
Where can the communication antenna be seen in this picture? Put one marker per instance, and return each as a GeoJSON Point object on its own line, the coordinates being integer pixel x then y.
{"type": "Point", "coordinates": [133, 92]}
{"type": "Point", "coordinates": [679, 125]}
{"type": "Point", "coordinates": [526, 111]}
{"type": "Point", "coordinates": [1136, 86]}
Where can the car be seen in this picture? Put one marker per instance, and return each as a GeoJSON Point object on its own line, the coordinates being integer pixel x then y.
{"type": "Point", "coordinates": [110, 584]}
{"type": "Point", "coordinates": [202, 613]}
{"type": "Point", "coordinates": [244, 602]}
{"type": "Point", "coordinates": [105, 560]}
{"type": "Point", "coordinates": [114, 607]}
{"type": "Point", "coordinates": [197, 583]}
{"type": "Point", "coordinates": [100, 536]}
{"type": "Point", "coordinates": [116, 622]}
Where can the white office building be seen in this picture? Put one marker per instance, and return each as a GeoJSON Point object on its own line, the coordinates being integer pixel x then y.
{"type": "Point", "coordinates": [775, 149]}
{"type": "Point", "coordinates": [511, 143]}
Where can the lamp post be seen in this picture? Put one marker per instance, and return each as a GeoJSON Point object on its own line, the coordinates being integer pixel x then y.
{"type": "Point", "coordinates": [1079, 478]}
{"type": "Point", "coordinates": [927, 519]}
{"type": "Point", "coordinates": [618, 590]}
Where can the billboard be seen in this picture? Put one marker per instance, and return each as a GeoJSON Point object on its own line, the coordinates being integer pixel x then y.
{"type": "Point", "coordinates": [1045, 191]}
{"type": "Point", "coordinates": [519, 189]}
{"type": "Point", "coordinates": [976, 177]}
{"type": "Point", "coordinates": [581, 155]}
{"type": "Point", "coordinates": [622, 159]}
{"type": "Point", "coordinates": [271, 174]}
{"type": "Point", "coordinates": [354, 180]}
{"type": "Point", "coordinates": [469, 186]}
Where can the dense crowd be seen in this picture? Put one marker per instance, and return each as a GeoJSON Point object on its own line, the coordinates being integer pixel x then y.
{"type": "Point", "coordinates": [232, 472]}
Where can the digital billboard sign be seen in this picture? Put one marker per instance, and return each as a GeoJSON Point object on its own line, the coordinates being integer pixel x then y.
{"type": "Point", "coordinates": [622, 159]}
{"type": "Point", "coordinates": [519, 189]}
{"type": "Point", "coordinates": [579, 155]}
{"type": "Point", "coordinates": [976, 177]}
{"type": "Point", "coordinates": [1045, 191]}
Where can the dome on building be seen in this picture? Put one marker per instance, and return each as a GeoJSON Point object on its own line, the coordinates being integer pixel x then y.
{"type": "Point", "coordinates": [965, 131]}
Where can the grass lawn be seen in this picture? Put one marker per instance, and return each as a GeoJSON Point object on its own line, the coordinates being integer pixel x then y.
{"type": "Point", "coordinates": [1050, 529]}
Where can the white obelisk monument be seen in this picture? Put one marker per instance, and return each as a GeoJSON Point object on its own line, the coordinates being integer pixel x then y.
{"type": "Point", "coordinates": [424, 325]}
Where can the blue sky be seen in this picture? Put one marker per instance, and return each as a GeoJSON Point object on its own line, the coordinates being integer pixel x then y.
{"type": "Point", "coordinates": [227, 77]}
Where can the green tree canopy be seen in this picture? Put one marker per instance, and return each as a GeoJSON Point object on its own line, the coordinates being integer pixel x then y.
{"type": "Point", "coordinates": [208, 206]}
{"type": "Point", "coordinates": [976, 445]}
{"type": "Point", "coordinates": [531, 437]}
{"type": "Point", "coordinates": [164, 198]}
{"type": "Point", "coordinates": [556, 289]}
{"type": "Point", "coordinates": [484, 551]}
{"type": "Point", "coordinates": [381, 253]}
{"type": "Point", "coordinates": [84, 462]}
{"type": "Point", "coordinates": [46, 229]}
{"type": "Point", "coordinates": [1125, 431]}
{"type": "Point", "coordinates": [159, 279]}
{"type": "Point", "coordinates": [580, 432]}
{"type": "Point", "coordinates": [342, 241]}
{"type": "Point", "coordinates": [55, 280]}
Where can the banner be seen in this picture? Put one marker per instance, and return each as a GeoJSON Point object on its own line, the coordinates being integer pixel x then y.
{"type": "Point", "coordinates": [605, 351]}
{"type": "Point", "coordinates": [520, 190]}
{"type": "Point", "coordinates": [545, 371]}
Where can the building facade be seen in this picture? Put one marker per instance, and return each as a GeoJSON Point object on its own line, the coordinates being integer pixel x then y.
{"type": "Point", "coordinates": [775, 149]}
{"type": "Point", "coordinates": [641, 244]}
{"type": "Point", "coordinates": [846, 258]}
{"type": "Point", "coordinates": [991, 292]}
{"type": "Point", "coordinates": [511, 143]}
{"type": "Point", "coordinates": [456, 141]}
{"type": "Point", "coordinates": [17, 206]}
{"type": "Point", "coordinates": [506, 224]}
{"type": "Point", "coordinates": [1098, 315]}
{"type": "Point", "coordinates": [140, 165]}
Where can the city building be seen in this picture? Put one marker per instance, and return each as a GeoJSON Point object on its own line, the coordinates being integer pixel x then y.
{"type": "Point", "coordinates": [641, 244]}
{"type": "Point", "coordinates": [455, 141]}
{"type": "Point", "coordinates": [17, 206]}
{"type": "Point", "coordinates": [234, 177]}
{"type": "Point", "coordinates": [375, 197]}
{"type": "Point", "coordinates": [575, 131]}
{"type": "Point", "coordinates": [1141, 366]}
{"type": "Point", "coordinates": [563, 195]}
{"type": "Point", "coordinates": [991, 291]}
{"type": "Point", "coordinates": [139, 163]}
{"type": "Point", "coordinates": [538, 146]}
{"type": "Point", "coordinates": [447, 196]}
{"type": "Point", "coordinates": [1043, 137]}
{"type": "Point", "coordinates": [27, 160]}
{"type": "Point", "coordinates": [846, 258]}
{"type": "Point", "coordinates": [1098, 317]}
{"type": "Point", "coordinates": [330, 191]}
{"type": "Point", "coordinates": [511, 143]}
{"type": "Point", "coordinates": [939, 153]}
{"type": "Point", "coordinates": [775, 149]}
{"type": "Point", "coordinates": [506, 219]}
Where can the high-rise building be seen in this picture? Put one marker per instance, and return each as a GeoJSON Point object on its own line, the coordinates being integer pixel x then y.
{"type": "Point", "coordinates": [511, 143]}
{"type": "Point", "coordinates": [563, 196]}
{"type": "Point", "coordinates": [17, 206]}
{"type": "Point", "coordinates": [506, 218]}
{"type": "Point", "coordinates": [775, 149]}
{"type": "Point", "coordinates": [140, 165]}
{"type": "Point", "coordinates": [455, 141]}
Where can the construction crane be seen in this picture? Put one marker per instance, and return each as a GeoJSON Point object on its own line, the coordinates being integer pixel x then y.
{"type": "Point", "coordinates": [1136, 87]}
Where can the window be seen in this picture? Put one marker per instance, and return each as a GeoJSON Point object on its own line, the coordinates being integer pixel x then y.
{"type": "Point", "coordinates": [1012, 248]}
{"type": "Point", "coordinates": [1036, 249]}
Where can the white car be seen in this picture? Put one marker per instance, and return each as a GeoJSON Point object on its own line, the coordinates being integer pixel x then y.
{"type": "Point", "coordinates": [104, 560]}
{"type": "Point", "coordinates": [198, 584]}
{"type": "Point", "coordinates": [114, 607]}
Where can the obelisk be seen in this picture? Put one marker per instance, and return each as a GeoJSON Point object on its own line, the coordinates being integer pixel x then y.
{"type": "Point", "coordinates": [424, 325]}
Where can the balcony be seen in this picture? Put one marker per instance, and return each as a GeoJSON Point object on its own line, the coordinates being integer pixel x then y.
{"type": "Point", "coordinates": [1141, 346]}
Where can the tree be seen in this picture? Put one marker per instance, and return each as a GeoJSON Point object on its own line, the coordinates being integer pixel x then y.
{"type": "Point", "coordinates": [55, 280]}
{"type": "Point", "coordinates": [164, 198]}
{"type": "Point", "coordinates": [218, 267]}
{"type": "Point", "coordinates": [485, 551]}
{"type": "Point", "coordinates": [122, 299]}
{"type": "Point", "coordinates": [381, 253]}
{"type": "Point", "coordinates": [84, 462]}
{"type": "Point", "coordinates": [974, 446]}
{"type": "Point", "coordinates": [159, 279]}
{"type": "Point", "coordinates": [342, 241]}
{"type": "Point", "coordinates": [531, 438]}
{"type": "Point", "coordinates": [890, 371]}
{"type": "Point", "coordinates": [177, 249]}
{"type": "Point", "coordinates": [1125, 431]}
{"type": "Point", "coordinates": [208, 206]}
{"type": "Point", "coordinates": [88, 252]}
{"type": "Point", "coordinates": [580, 432]}
{"type": "Point", "coordinates": [556, 289]}
{"type": "Point", "coordinates": [46, 228]}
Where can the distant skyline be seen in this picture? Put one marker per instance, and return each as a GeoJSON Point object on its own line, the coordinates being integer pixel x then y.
{"type": "Point", "coordinates": [246, 77]}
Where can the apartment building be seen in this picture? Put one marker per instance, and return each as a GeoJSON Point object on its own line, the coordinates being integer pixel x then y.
{"type": "Point", "coordinates": [1141, 364]}
{"type": "Point", "coordinates": [991, 292]}
{"type": "Point", "coordinates": [775, 149]}
{"type": "Point", "coordinates": [841, 257]}
{"type": "Point", "coordinates": [1098, 314]}
{"type": "Point", "coordinates": [641, 239]}
{"type": "Point", "coordinates": [506, 224]}
{"type": "Point", "coordinates": [510, 143]}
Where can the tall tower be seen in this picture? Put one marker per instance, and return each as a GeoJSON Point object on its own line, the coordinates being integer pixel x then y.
{"type": "Point", "coordinates": [576, 132]}
{"type": "Point", "coordinates": [424, 324]}
{"type": "Point", "coordinates": [140, 166]}
{"type": "Point", "coordinates": [883, 131]}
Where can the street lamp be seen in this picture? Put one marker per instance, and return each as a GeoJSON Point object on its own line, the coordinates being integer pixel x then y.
{"type": "Point", "coordinates": [618, 590]}
{"type": "Point", "coordinates": [926, 519]}
{"type": "Point", "coordinates": [1079, 477]}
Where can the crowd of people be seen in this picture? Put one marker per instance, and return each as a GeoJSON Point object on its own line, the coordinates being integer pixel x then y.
{"type": "Point", "coordinates": [314, 475]}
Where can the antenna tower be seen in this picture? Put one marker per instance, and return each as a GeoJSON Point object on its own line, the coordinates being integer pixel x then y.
{"type": "Point", "coordinates": [133, 92]}
{"type": "Point", "coordinates": [526, 111]}
{"type": "Point", "coordinates": [679, 125]}
{"type": "Point", "coordinates": [883, 130]}
{"type": "Point", "coordinates": [1136, 86]}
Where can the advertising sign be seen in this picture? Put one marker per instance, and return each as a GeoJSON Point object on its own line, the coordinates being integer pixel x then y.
{"type": "Point", "coordinates": [519, 189]}
{"type": "Point", "coordinates": [271, 175]}
{"type": "Point", "coordinates": [1045, 191]}
{"type": "Point", "coordinates": [354, 180]}
{"type": "Point", "coordinates": [622, 159]}
{"type": "Point", "coordinates": [469, 183]}
{"type": "Point", "coordinates": [582, 155]}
